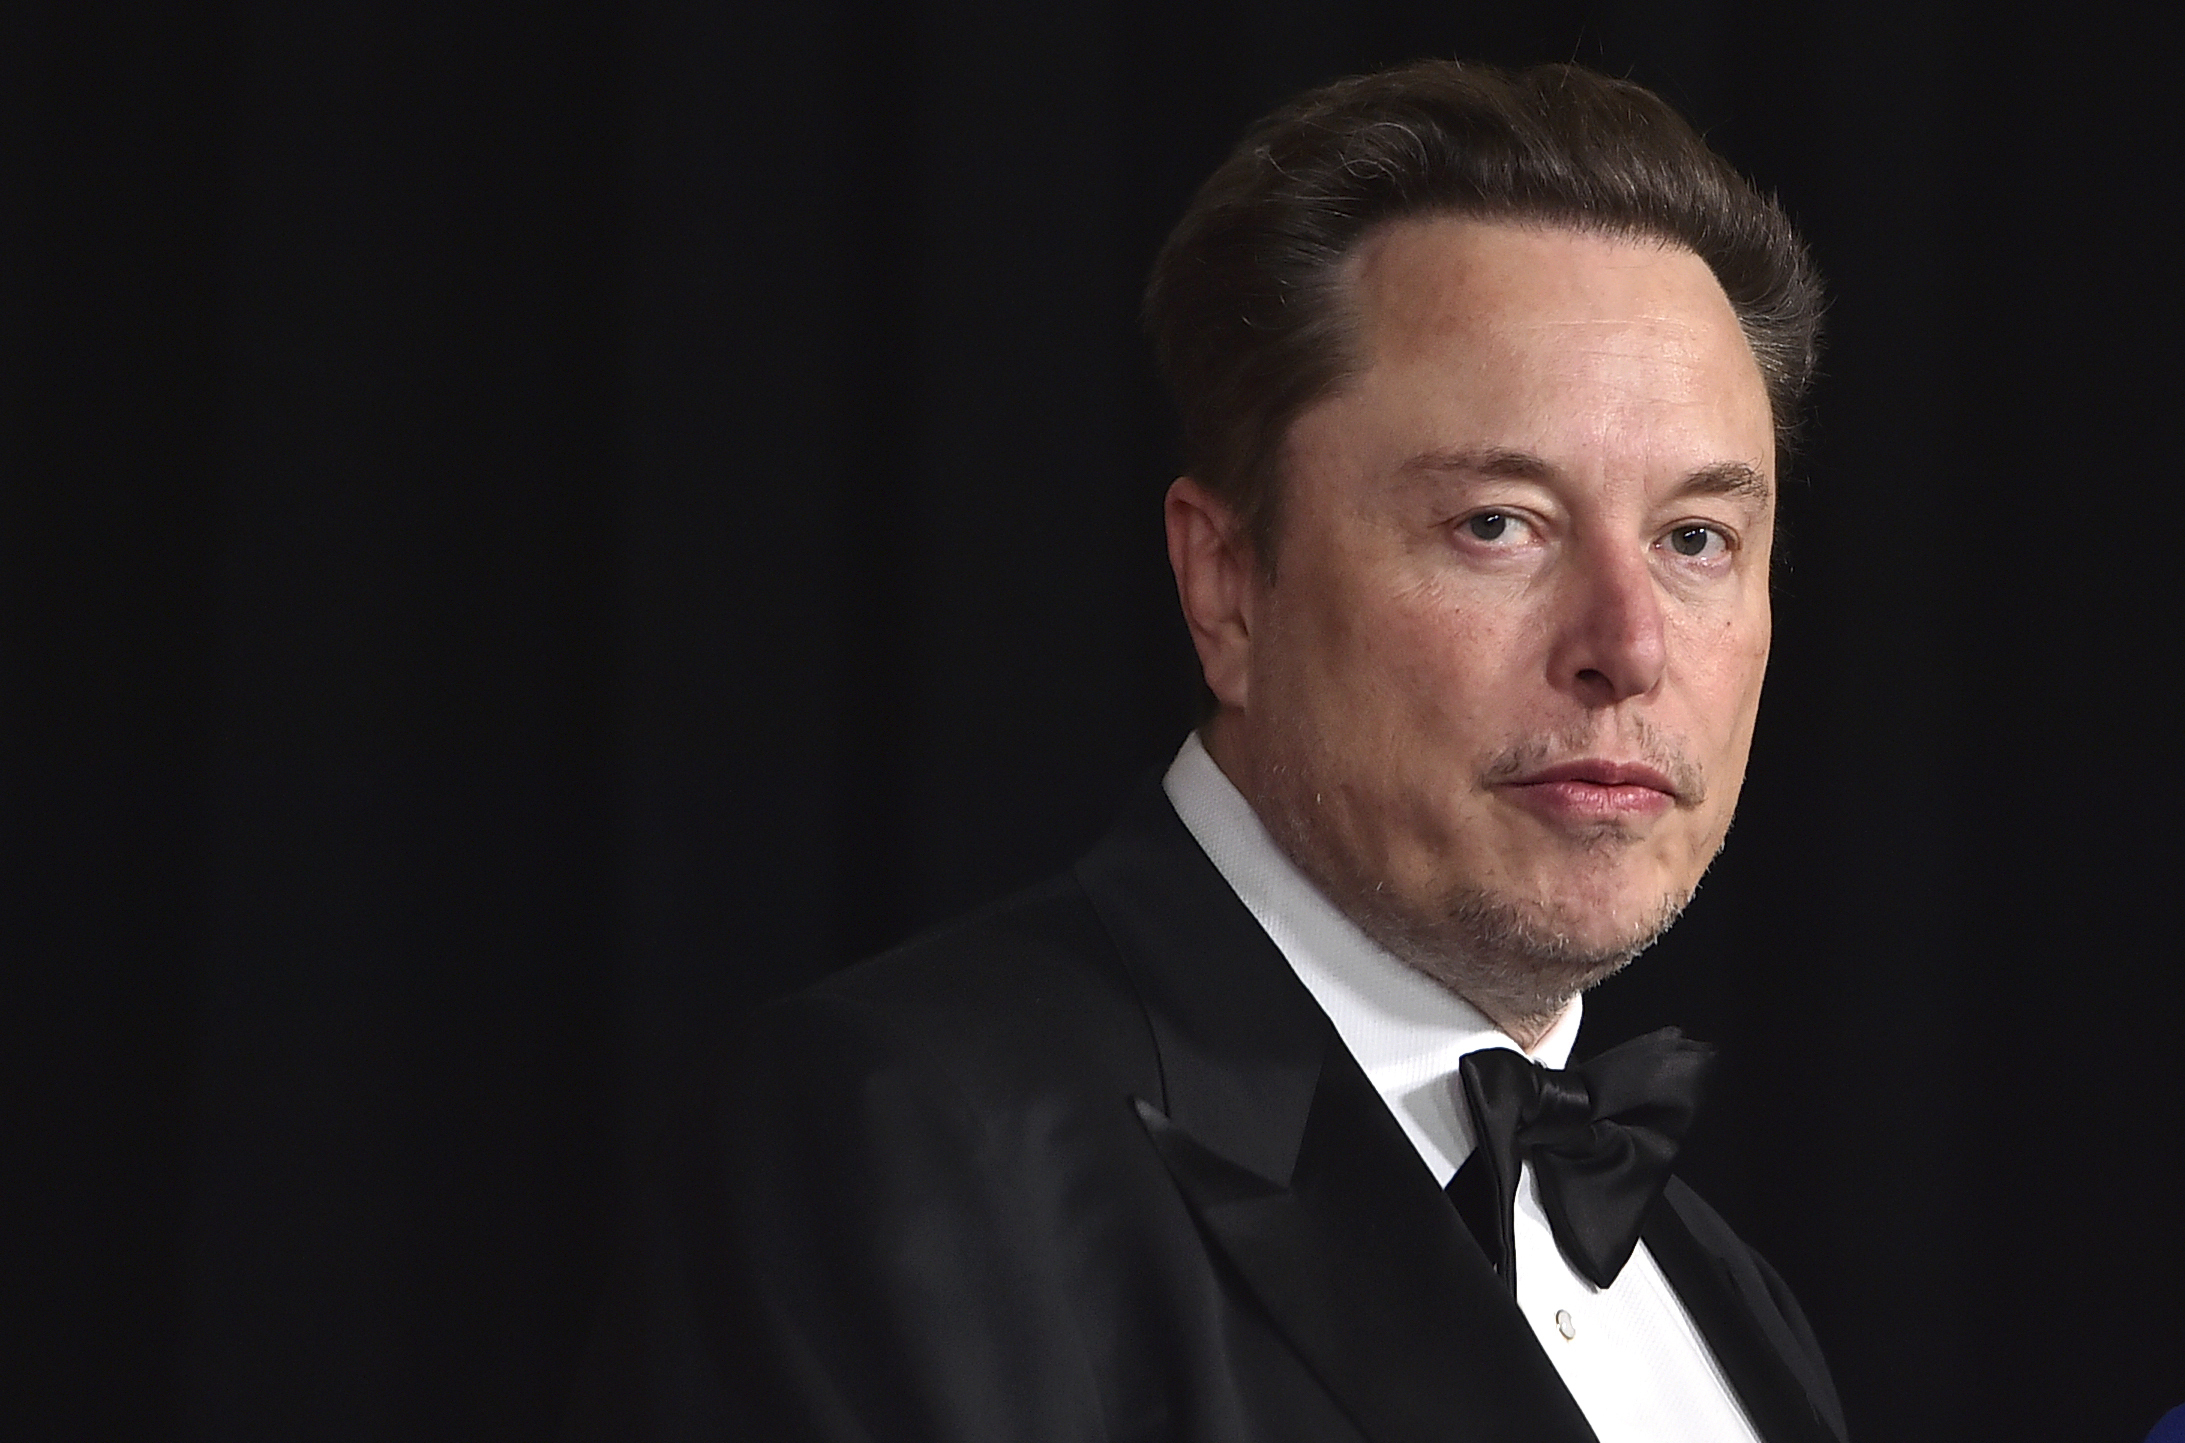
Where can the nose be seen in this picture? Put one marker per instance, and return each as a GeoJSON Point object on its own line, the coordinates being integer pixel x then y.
{"type": "Point", "coordinates": [1611, 643]}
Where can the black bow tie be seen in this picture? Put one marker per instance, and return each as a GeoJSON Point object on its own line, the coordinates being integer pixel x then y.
{"type": "Point", "coordinates": [1600, 1137]}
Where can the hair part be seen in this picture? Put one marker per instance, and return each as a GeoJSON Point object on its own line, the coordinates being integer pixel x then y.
{"type": "Point", "coordinates": [1248, 305]}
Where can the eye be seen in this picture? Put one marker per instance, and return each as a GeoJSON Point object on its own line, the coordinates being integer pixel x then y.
{"type": "Point", "coordinates": [1698, 542]}
{"type": "Point", "coordinates": [1491, 526]}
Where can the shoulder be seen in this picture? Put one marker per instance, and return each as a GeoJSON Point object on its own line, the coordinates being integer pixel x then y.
{"type": "Point", "coordinates": [891, 1193]}
{"type": "Point", "coordinates": [1021, 1003]}
{"type": "Point", "coordinates": [1009, 956]}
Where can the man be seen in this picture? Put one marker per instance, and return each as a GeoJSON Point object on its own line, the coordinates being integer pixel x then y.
{"type": "Point", "coordinates": [1230, 1133]}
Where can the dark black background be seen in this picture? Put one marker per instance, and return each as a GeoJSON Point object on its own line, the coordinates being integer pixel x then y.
{"type": "Point", "coordinates": [528, 530]}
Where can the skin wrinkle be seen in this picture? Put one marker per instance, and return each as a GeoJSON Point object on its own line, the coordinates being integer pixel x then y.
{"type": "Point", "coordinates": [1387, 691]}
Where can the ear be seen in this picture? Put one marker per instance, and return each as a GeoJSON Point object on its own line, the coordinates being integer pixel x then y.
{"type": "Point", "coordinates": [1216, 579]}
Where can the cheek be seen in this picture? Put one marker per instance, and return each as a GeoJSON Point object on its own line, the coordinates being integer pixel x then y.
{"type": "Point", "coordinates": [1433, 670]}
{"type": "Point", "coordinates": [1400, 663]}
{"type": "Point", "coordinates": [1727, 661]}
{"type": "Point", "coordinates": [1321, 630]}
{"type": "Point", "coordinates": [1749, 662]}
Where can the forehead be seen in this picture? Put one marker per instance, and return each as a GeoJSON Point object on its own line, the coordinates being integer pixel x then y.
{"type": "Point", "coordinates": [1574, 345]}
{"type": "Point", "coordinates": [1415, 282]}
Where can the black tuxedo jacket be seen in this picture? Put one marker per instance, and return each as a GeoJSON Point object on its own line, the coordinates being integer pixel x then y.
{"type": "Point", "coordinates": [1093, 1165]}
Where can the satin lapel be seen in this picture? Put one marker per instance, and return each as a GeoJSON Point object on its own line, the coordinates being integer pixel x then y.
{"type": "Point", "coordinates": [1743, 1331]}
{"type": "Point", "coordinates": [1298, 1174]}
{"type": "Point", "coordinates": [1239, 1038]}
{"type": "Point", "coordinates": [1362, 1263]}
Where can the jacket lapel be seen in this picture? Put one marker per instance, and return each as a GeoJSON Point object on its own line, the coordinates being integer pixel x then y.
{"type": "Point", "coordinates": [1743, 1327]}
{"type": "Point", "coordinates": [1297, 1173]}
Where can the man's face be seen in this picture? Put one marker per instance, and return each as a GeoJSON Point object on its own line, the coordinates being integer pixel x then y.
{"type": "Point", "coordinates": [1498, 695]}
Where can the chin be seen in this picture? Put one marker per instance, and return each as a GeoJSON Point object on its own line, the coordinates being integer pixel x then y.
{"type": "Point", "coordinates": [1518, 953]}
{"type": "Point", "coordinates": [1609, 890]}
{"type": "Point", "coordinates": [1520, 960]}
{"type": "Point", "coordinates": [1583, 929]}
{"type": "Point", "coordinates": [1615, 939]}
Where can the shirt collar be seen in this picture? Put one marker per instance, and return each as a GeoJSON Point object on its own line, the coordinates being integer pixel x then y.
{"type": "Point", "coordinates": [1406, 1030]}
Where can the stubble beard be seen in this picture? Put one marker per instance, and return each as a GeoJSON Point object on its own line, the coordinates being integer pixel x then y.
{"type": "Point", "coordinates": [1518, 961]}
{"type": "Point", "coordinates": [1518, 965]}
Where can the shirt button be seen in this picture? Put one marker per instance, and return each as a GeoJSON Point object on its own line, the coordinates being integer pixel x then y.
{"type": "Point", "coordinates": [1564, 1325]}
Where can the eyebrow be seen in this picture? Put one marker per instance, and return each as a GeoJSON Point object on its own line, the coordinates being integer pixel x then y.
{"type": "Point", "coordinates": [1489, 461]}
{"type": "Point", "coordinates": [1724, 478]}
{"type": "Point", "coordinates": [1727, 478]}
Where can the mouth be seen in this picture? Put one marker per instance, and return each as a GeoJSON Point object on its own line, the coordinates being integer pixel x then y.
{"type": "Point", "coordinates": [1593, 789]}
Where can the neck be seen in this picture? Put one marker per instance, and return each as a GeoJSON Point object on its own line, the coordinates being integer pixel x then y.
{"type": "Point", "coordinates": [1527, 1029]}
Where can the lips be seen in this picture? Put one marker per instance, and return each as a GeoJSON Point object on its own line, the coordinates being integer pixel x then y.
{"type": "Point", "coordinates": [1593, 789]}
{"type": "Point", "coordinates": [1595, 772]}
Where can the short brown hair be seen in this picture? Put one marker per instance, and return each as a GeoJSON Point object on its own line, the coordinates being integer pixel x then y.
{"type": "Point", "coordinates": [1245, 305]}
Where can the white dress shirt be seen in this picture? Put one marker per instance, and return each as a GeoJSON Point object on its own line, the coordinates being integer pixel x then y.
{"type": "Point", "coordinates": [1629, 1353]}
